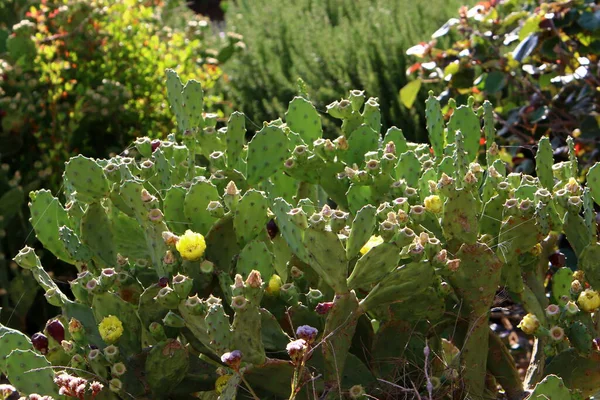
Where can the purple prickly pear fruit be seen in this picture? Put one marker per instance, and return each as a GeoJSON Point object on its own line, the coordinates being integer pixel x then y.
{"type": "Point", "coordinates": [155, 145]}
{"type": "Point", "coordinates": [56, 330]}
{"type": "Point", "coordinates": [272, 228]}
{"type": "Point", "coordinates": [40, 342]}
{"type": "Point", "coordinates": [163, 282]}
{"type": "Point", "coordinates": [323, 308]}
{"type": "Point", "coordinates": [557, 259]}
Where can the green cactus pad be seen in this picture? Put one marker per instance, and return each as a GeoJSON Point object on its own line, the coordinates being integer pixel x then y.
{"type": "Point", "coordinates": [11, 339]}
{"type": "Point", "coordinates": [236, 131]}
{"type": "Point", "coordinates": [220, 249]}
{"type": "Point", "coordinates": [400, 285]}
{"type": "Point", "coordinates": [164, 171]}
{"type": "Point", "coordinates": [97, 236]}
{"type": "Point", "coordinates": [47, 216]}
{"type": "Point", "coordinates": [459, 219]}
{"type": "Point", "coordinates": [466, 121]}
{"type": "Point", "coordinates": [166, 366]}
{"type": "Point", "coordinates": [87, 177]}
{"type": "Point", "coordinates": [397, 340]}
{"type": "Point", "coordinates": [435, 125]}
{"type": "Point", "coordinates": [196, 201]}
{"type": "Point", "coordinates": [374, 265]}
{"type": "Point", "coordinates": [273, 337]}
{"type": "Point", "coordinates": [250, 216]}
{"type": "Point", "coordinates": [577, 371]}
{"type": "Point", "coordinates": [106, 304]}
{"type": "Point", "coordinates": [339, 330]}
{"type": "Point", "coordinates": [577, 232]}
{"type": "Point", "coordinates": [267, 152]}
{"type": "Point", "coordinates": [280, 185]}
{"type": "Point", "coordinates": [292, 234]}
{"type": "Point", "coordinates": [128, 237]}
{"type": "Point", "coordinates": [246, 334]}
{"type": "Point", "coordinates": [544, 160]}
{"type": "Point", "coordinates": [551, 387]}
{"type": "Point", "coordinates": [302, 118]}
{"type": "Point", "coordinates": [186, 102]}
{"type": "Point", "coordinates": [255, 256]}
{"type": "Point", "coordinates": [362, 140]}
{"type": "Point", "coordinates": [219, 330]}
{"type": "Point", "coordinates": [327, 257]}
{"type": "Point", "coordinates": [363, 227]}
{"type": "Point", "coordinates": [588, 262]}
{"type": "Point", "coordinates": [173, 207]}
{"type": "Point", "coordinates": [397, 136]}
{"type": "Point", "coordinates": [561, 285]}
{"type": "Point", "coordinates": [76, 249]}
{"type": "Point", "coordinates": [409, 168]}
{"type": "Point", "coordinates": [358, 197]}
{"type": "Point", "coordinates": [593, 182]}
{"type": "Point", "coordinates": [517, 236]}
{"type": "Point", "coordinates": [30, 373]}
{"type": "Point", "coordinates": [580, 337]}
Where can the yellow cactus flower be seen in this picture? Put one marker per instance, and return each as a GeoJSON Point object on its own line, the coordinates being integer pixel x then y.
{"type": "Point", "coordinates": [433, 204]}
{"type": "Point", "coordinates": [274, 285]}
{"type": "Point", "coordinates": [589, 300]}
{"type": "Point", "coordinates": [191, 245]}
{"type": "Point", "coordinates": [221, 382]}
{"type": "Point", "coordinates": [529, 324]}
{"type": "Point", "coordinates": [373, 242]}
{"type": "Point", "coordinates": [536, 250]}
{"type": "Point", "coordinates": [111, 329]}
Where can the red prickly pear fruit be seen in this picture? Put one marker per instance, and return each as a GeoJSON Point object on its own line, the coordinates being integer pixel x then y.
{"type": "Point", "coordinates": [155, 144]}
{"type": "Point", "coordinates": [272, 228]}
{"type": "Point", "coordinates": [163, 282]}
{"type": "Point", "coordinates": [323, 308]}
{"type": "Point", "coordinates": [56, 330]}
{"type": "Point", "coordinates": [40, 342]}
{"type": "Point", "coordinates": [557, 259]}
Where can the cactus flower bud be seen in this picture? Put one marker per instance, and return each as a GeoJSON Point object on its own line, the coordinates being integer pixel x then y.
{"type": "Point", "coordinates": [314, 297]}
{"type": "Point", "coordinates": [573, 187]}
{"type": "Point", "coordinates": [195, 305]}
{"type": "Point", "coordinates": [433, 204]}
{"type": "Point", "coordinates": [552, 311]}
{"type": "Point", "coordinates": [254, 279]}
{"type": "Point", "coordinates": [239, 303]}
{"type": "Point", "coordinates": [170, 238]}
{"type": "Point", "coordinates": [298, 217]}
{"type": "Point", "coordinates": [317, 221]}
{"type": "Point", "coordinates": [167, 298]}
{"type": "Point", "coordinates": [173, 320]}
{"type": "Point", "coordinates": [182, 285]}
{"type": "Point", "coordinates": [68, 347]}
{"type": "Point", "coordinates": [390, 148]}
{"type": "Point", "coordinates": [529, 324]}
{"type": "Point", "coordinates": [289, 294]}
{"type": "Point", "coordinates": [387, 230]}
{"type": "Point", "coordinates": [216, 209]}
{"type": "Point", "coordinates": [191, 246]}
{"type": "Point", "coordinates": [232, 359]}
{"type": "Point", "coordinates": [307, 332]}
{"type": "Point", "coordinates": [76, 330]}
{"type": "Point", "coordinates": [453, 265]}
{"type": "Point", "coordinates": [338, 220]}
{"type": "Point", "coordinates": [169, 258]}
{"type": "Point", "coordinates": [115, 385]}
{"type": "Point", "coordinates": [557, 333]}
{"type": "Point", "coordinates": [576, 287]}
{"type": "Point", "coordinates": [289, 163]}
{"type": "Point", "coordinates": [571, 308]}
{"type": "Point", "coordinates": [356, 98]}
{"type": "Point", "coordinates": [296, 349]}
{"type": "Point", "coordinates": [579, 275]}
{"type": "Point", "coordinates": [26, 258]}
{"type": "Point", "coordinates": [417, 213]}
{"type": "Point", "coordinates": [589, 300]}
{"type": "Point", "coordinates": [274, 285]}
{"type": "Point", "coordinates": [146, 196]}
{"type": "Point", "coordinates": [111, 353]}
{"type": "Point", "coordinates": [118, 369]}
{"type": "Point", "coordinates": [341, 143]}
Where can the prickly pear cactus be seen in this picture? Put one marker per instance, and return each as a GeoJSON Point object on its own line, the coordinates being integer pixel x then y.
{"type": "Point", "coordinates": [284, 267]}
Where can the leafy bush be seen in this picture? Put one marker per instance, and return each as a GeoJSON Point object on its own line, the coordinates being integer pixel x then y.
{"type": "Point", "coordinates": [80, 76]}
{"type": "Point", "coordinates": [537, 63]}
{"type": "Point", "coordinates": [293, 266]}
{"type": "Point", "coordinates": [333, 46]}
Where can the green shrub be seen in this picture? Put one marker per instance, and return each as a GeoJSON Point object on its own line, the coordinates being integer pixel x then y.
{"type": "Point", "coordinates": [81, 76]}
{"type": "Point", "coordinates": [333, 46]}
{"type": "Point", "coordinates": [537, 63]}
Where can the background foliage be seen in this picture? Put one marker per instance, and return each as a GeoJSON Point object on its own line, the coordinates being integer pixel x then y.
{"type": "Point", "coordinates": [334, 46]}
{"type": "Point", "coordinates": [80, 76]}
{"type": "Point", "coordinates": [537, 63]}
